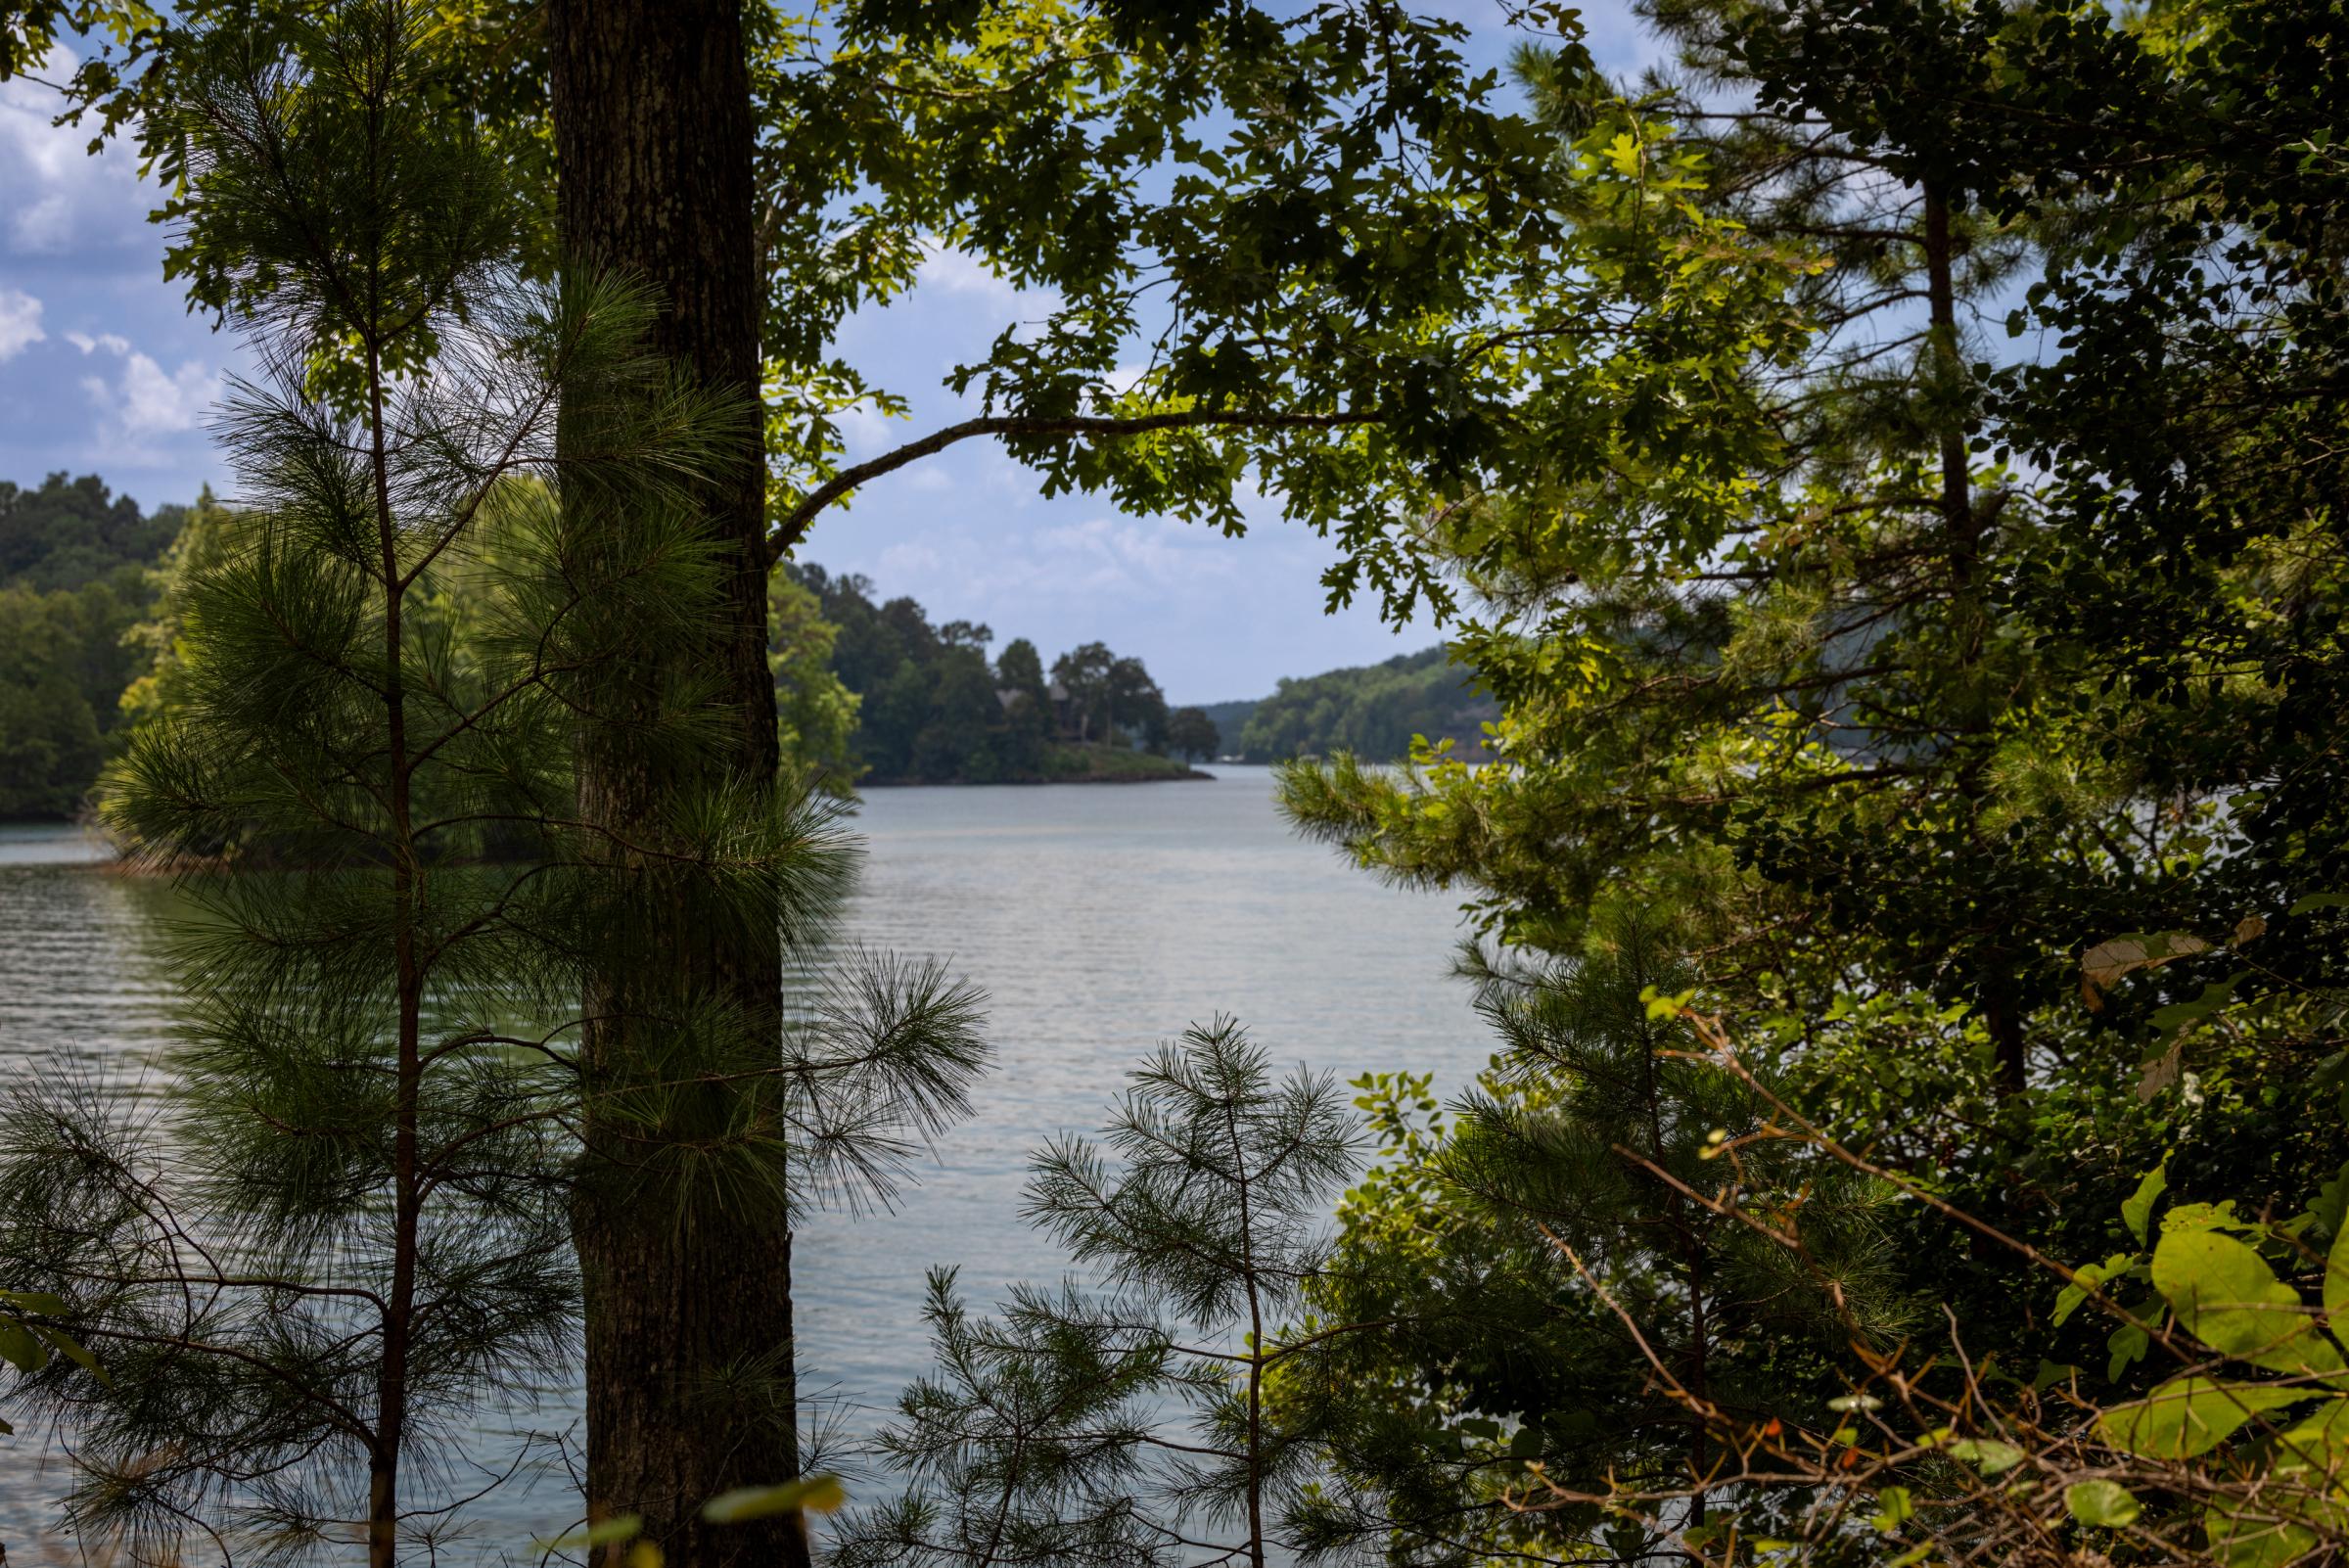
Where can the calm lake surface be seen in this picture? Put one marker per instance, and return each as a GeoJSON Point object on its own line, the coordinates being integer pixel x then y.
{"type": "Point", "coordinates": [1099, 921]}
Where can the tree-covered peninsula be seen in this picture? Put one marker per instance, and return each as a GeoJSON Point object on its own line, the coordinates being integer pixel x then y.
{"type": "Point", "coordinates": [931, 708]}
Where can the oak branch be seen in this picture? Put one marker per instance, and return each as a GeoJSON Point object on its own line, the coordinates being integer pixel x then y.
{"type": "Point", "coordinates": [794, 524]}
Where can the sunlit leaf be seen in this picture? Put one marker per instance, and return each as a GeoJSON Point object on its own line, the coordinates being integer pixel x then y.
{"type": "Point", "coordinates": [2227, 1296]}
{"type": "Point", "coordinates": [815, 1494]}
{"type": "Point", "coordinates": [2191, 1415]}
{"type": "Point", "coordinates": [1990, 1456]}
{"type": "Point", "coordinates": [2105, 1503]}
{"type": "Point", "coordinates": [2137, 1212]}
{"type": "Point", "coordinates": [606, 1533]}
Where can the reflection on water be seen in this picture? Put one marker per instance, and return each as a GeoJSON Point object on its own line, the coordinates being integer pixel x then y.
{"type": "Point", "coordinates": [1099, 921]}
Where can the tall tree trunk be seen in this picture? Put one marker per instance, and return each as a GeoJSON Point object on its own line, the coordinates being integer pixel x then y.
{"type": "Point", "coordinates": [1995, 989]}
{"type": "Point", "coordinates": [653, 141]}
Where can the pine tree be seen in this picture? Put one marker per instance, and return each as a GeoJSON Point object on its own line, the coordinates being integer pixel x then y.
{"type": "Point", "coordinates": [1786, 694]}
{"type": "Point", "coordinates": [1554, 1288]}
{"type": "Point", "coordinates": [349, 1226]}
{"type": "Point", "coordinates": [1121, 1424]}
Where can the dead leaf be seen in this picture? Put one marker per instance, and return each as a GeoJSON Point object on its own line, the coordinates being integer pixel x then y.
{"type": "Point", "coordinates": [2162, 1071]}
{"type": "Point", "coordinates": [2104, 964]}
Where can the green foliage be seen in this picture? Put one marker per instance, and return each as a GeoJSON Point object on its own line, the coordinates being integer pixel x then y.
{"type": "Point", "coordinates": [815, 715]}
{"type": "Point", "coordinates": [51, 740]}
{"type": "Point", "coordinates": [1928, 676]}
{"type": "Point", "coordinates": [29, 1339]}
{"type": "Point", "coordinates": [348, 1230]}
{"type": "Point", "coordinates": [1759, 677]}
{"type": "Point", "coordinates": [1190, 733]}
{"type": "Point", "coordinates": [160, 640]}
{"type": "Point", "coordinates": [1123, 1423]}
{"type": "Point", "coordinates": [74, 584]}
{"type": "Point", "coordinates": [930, 707]}
{"type": "Point", "coordinates": [69, 534]}
{"type": "Point", "coordinates": [1335, 247]}
{"type": "Point", "coordinates": [1111, 701]}
{"type": "Point", "coordinates": [1556, 1290]}
{"type": "Point", "coordinates": [1376, 712]}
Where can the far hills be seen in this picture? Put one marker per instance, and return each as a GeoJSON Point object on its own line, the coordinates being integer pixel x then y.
{"type": "Point", "coordinates": [1369, 710]}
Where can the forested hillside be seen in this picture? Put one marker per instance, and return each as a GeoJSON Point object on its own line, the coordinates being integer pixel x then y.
{"type": "Point", "coordinates": [76, 581]}
{"type": "Point", "coordinates": [1371, 712]}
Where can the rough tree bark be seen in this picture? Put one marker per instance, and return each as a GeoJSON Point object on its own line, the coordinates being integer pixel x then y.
{"type": "Point", "coordinates": [653, 137]}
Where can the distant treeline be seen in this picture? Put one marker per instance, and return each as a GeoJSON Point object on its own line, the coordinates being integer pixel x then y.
{"type": "Point", "coordinates": [932, 708]}
{"type": "Point", "coordinates": [78, 583]}
{"type": "Point", "coordinates": [866, 691]}
{"type": "Point", "coordinates": [1371, 711]}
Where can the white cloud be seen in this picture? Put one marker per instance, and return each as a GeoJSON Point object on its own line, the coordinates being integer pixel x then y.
{"type": "Point", "coordinates": [961, 568]}
{"type": "Point", "coordinates": [44, 226]}
{"type": "Point", "coordinates": [152, 403]}
{"type": "Point", "coordinates": [19, 323]}
{"type": "Point", "coordinates": [59, 198]}
{"type": "Point", "coordinates": [959, 272]}
{"type": "Point", "coordinates": [866, 432]}
{"type": "Point", "coordinates": [110, 341]}
{"type": "Point", "coordinates": [908, 560]}
{"type": "Point", "coordinates": [143, 400]}
{"type": "Point", "coordinates": [1106, 554]}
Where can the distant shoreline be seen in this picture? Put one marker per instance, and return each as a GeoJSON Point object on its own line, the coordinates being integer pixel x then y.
{"type": "Point", "coordinates": [1187, 775]}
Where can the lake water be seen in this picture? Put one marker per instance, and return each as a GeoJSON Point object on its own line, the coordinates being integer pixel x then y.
{"type": "Point", "coordinates": [1098, 919]}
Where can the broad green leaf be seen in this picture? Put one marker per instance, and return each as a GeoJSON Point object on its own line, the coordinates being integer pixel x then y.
{"type": "Point", "coordinates": [1990, 1456]}
{"type": "Point", "coordinates": [2215, 995]}
{"type": "Point", "coordinates": [2266, 1532]}
{"type": "Point", "coordinates": [34, 1301]}
{"type": "Point", "coordinates": [20, 1347]}
{"type": "Point", "coordinates": [2137, 1210]}
{"type": "Point", "coordinates": [815, 1494]}
{"type": "Point", "coordinates": [2051, 1374]}
{"type": "Point", "coordinates": [2189, 1415]}
{"type": "Point", "coordinates": [2318, 900]}
{"type": "Point", "coordinates": [2104, 1503]}
{"type": "Point", "coordinates": [2227, 1296]}
{"type": "Point", "coordinates": [2330, 1205]}
{"type": "Point", "coordinates": [71, 1349]}
{"type": "Point", "coordinates": [2202, 1216]}
{"type": "Point", "coordinates": [1894, 1508]}
{"type": "Point", "coordinates": [2321, 1442]}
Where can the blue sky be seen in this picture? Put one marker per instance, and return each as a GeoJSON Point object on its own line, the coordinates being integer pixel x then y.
{"type": "Point", "coordinates": [103, 370]}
